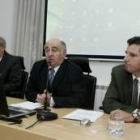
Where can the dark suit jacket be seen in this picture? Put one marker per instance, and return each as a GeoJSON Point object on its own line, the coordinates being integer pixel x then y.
{"type": "Point", "coordinates": [10, 70]}
{"type": "Point", "coordinates": [119, 93]}
{"type": "Point", "coordinates": [67, 88]}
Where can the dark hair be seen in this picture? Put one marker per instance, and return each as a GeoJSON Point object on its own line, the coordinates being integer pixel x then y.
{"type": "Point", "coordinates": [134, 40]}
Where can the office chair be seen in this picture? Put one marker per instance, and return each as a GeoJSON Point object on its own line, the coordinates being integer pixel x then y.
{"type": "Point", "coordinates": [90, 81]}
{"type": "Point", "coordinates": [20, 91]}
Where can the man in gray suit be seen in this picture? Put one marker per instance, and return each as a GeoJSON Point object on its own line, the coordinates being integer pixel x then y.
{"type": "Point", "coordinates": [119, 97]}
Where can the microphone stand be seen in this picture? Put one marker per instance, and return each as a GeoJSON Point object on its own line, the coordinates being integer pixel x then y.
{"type": "Point", "coordinates": [45, 103]}
{"type": "Point", "coordinates": [46, 114]}
{"type": "Point", "coordinates": [46, 91]}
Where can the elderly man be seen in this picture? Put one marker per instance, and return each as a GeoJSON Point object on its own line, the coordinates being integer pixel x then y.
{"type": "Point", "coordinates": [66, 88]}
{"type": "Point", "coordinates": [10, 69]}
{"type": "Point", "coordinates": [122, 97]}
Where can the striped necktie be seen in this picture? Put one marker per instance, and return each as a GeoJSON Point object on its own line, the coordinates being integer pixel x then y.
{"type": "Point", "coordinates": [50, 77]}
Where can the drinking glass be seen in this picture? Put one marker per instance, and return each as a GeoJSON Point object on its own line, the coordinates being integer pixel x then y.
{"type": "Point", "coordinates": [116, 126]}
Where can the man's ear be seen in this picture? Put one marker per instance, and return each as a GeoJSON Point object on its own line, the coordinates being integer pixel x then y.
{"type": "Point", "coordinates": [64, 54]}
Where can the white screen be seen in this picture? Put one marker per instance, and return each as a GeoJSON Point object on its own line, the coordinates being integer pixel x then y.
{"type": "Point", "coordinates": [93, 27]}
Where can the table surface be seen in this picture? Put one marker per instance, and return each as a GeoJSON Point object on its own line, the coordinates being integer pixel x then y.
{"type": "Point", "coordinates": [63, 129]}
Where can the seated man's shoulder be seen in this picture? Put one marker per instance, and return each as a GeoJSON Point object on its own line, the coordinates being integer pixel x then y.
{"type": "Point", "coordinates": [40, 62]}
{"type": "Point", "coordinates": [74, 67]}
{"type": "Point", "coordinates": [74, 72]}
{"type": "Point", "coordinates": [11, 58]}
{"type": "Point", "coordinates": [119, 68]}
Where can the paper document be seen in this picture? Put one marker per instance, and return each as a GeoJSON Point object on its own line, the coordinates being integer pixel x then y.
{"type": "Point", "coordinates": [80, 114]}
{"type": "Point", "coordinates": [27, 105]}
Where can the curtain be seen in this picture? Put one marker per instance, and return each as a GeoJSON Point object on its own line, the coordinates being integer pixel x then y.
{"type": "Point", "coordinates": [29, 30]}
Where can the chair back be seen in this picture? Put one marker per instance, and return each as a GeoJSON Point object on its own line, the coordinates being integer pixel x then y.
{"type": "Point", "coordinates": [90, 91]}
{"type": "Point", "coordinates": [90, 80]}
{"type": "Point", "coordinates": [82, 62]}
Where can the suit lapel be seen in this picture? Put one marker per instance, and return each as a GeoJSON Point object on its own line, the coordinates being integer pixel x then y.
{"type": "Point", "coordinates": [59, 75]}
{"type": "Point", "coordinates": [3, 62]}
{"type": "Point", "coordinates": [2, 65]}
{"type": "Point", "coordinates": [43, 76]}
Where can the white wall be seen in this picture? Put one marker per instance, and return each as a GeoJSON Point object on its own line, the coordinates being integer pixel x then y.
{"type": "Point", "coordinates": [7, 21]}
{"type": "Point", "coordinates": [102, 70]}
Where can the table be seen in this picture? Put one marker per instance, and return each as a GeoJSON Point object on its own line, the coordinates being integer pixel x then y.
{"type": "Point", "coordinates": [62, 129]}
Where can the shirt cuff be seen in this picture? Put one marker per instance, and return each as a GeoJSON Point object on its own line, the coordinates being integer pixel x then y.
{"type": "Point", "coordinates": [52, 103]}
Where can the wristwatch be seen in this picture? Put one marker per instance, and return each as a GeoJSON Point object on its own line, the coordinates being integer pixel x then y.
{"type": "Point", "coordinates": [136, 115]}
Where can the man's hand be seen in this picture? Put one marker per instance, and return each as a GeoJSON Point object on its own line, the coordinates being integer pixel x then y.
{"type": "Point", "coordinates": [41, 98]}
{"type": "Point", "coordinates": [127, 117]}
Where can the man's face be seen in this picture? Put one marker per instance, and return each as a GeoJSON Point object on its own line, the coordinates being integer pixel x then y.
{"type": "Point", "coordinates": [54, 53]}
{"type": "Point", "coordinates": [132, 59]}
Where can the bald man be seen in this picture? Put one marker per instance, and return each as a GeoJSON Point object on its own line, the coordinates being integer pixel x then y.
{"type": "Point", "coordinates": [68, 87]}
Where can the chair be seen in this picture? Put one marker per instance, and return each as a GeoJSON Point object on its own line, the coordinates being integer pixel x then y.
{"type": "Point", "coordinates": [82, 62]}
{"type": "Point", "coordinates": [20, 91]}
{"type": "Point", "coordinates": [90, 81]}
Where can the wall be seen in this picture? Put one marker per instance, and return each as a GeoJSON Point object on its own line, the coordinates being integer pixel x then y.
{"type": "Point", "coordinates": [7, 21]}
{"type": "Point", "coordinates": [100, 69]}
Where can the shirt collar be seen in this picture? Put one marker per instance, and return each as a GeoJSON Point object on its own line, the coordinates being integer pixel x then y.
{"type": "Point", "coordinates": [136, 78]}
{"type": "Point", "coordinates": [56, 69]}
{"type": "Point", "coordinates": [0, 58]}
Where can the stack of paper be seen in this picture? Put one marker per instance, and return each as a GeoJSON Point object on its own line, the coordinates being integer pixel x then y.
{"type": "Point", "coordinates": [80, 114]}
{"type": "Point", "coordinates": [27, 105]}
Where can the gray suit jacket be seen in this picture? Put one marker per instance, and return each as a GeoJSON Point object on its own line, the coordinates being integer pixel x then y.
{"type": "Point", "coordinates": [119, 93]}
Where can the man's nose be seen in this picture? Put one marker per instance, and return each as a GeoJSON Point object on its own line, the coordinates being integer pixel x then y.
{"type": "Point", "coordinates": [50, 53]}
{"type": "Point", "coordinates": [126, 58]}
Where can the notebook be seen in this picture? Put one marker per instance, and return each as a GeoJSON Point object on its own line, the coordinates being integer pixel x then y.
{"type": "Point", "coordinates": [7, 111]}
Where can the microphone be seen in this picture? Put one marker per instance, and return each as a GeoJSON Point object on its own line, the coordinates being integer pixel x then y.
{"type": "Point", "coordinates": [45, 114]}
{"type": "Point", "coordinates": [46, 103]}
{"type": "Point", "coordinates": [46, 91]}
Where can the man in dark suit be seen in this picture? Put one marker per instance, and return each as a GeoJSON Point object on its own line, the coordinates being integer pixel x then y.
{"type": "Point", "coordinates": [67, 88]}
{"type": "Point", "coordinates": [10, 69]}
{"type": "Point", "coordinates": [119, 98]}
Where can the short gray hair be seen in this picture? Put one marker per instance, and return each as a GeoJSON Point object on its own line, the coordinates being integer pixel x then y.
{"type": "Point", "coordinates": [2, 42]}
{"type": "Point", "coordinates": [63, 44]}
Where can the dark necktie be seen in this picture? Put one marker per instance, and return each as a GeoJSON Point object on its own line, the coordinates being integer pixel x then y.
{"type": "Point", "coordinates": [50, 77]}
{"type": "Point", "coordinates": [139, 102]}
{"type": "Point", "coordinates": [135, 93]}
